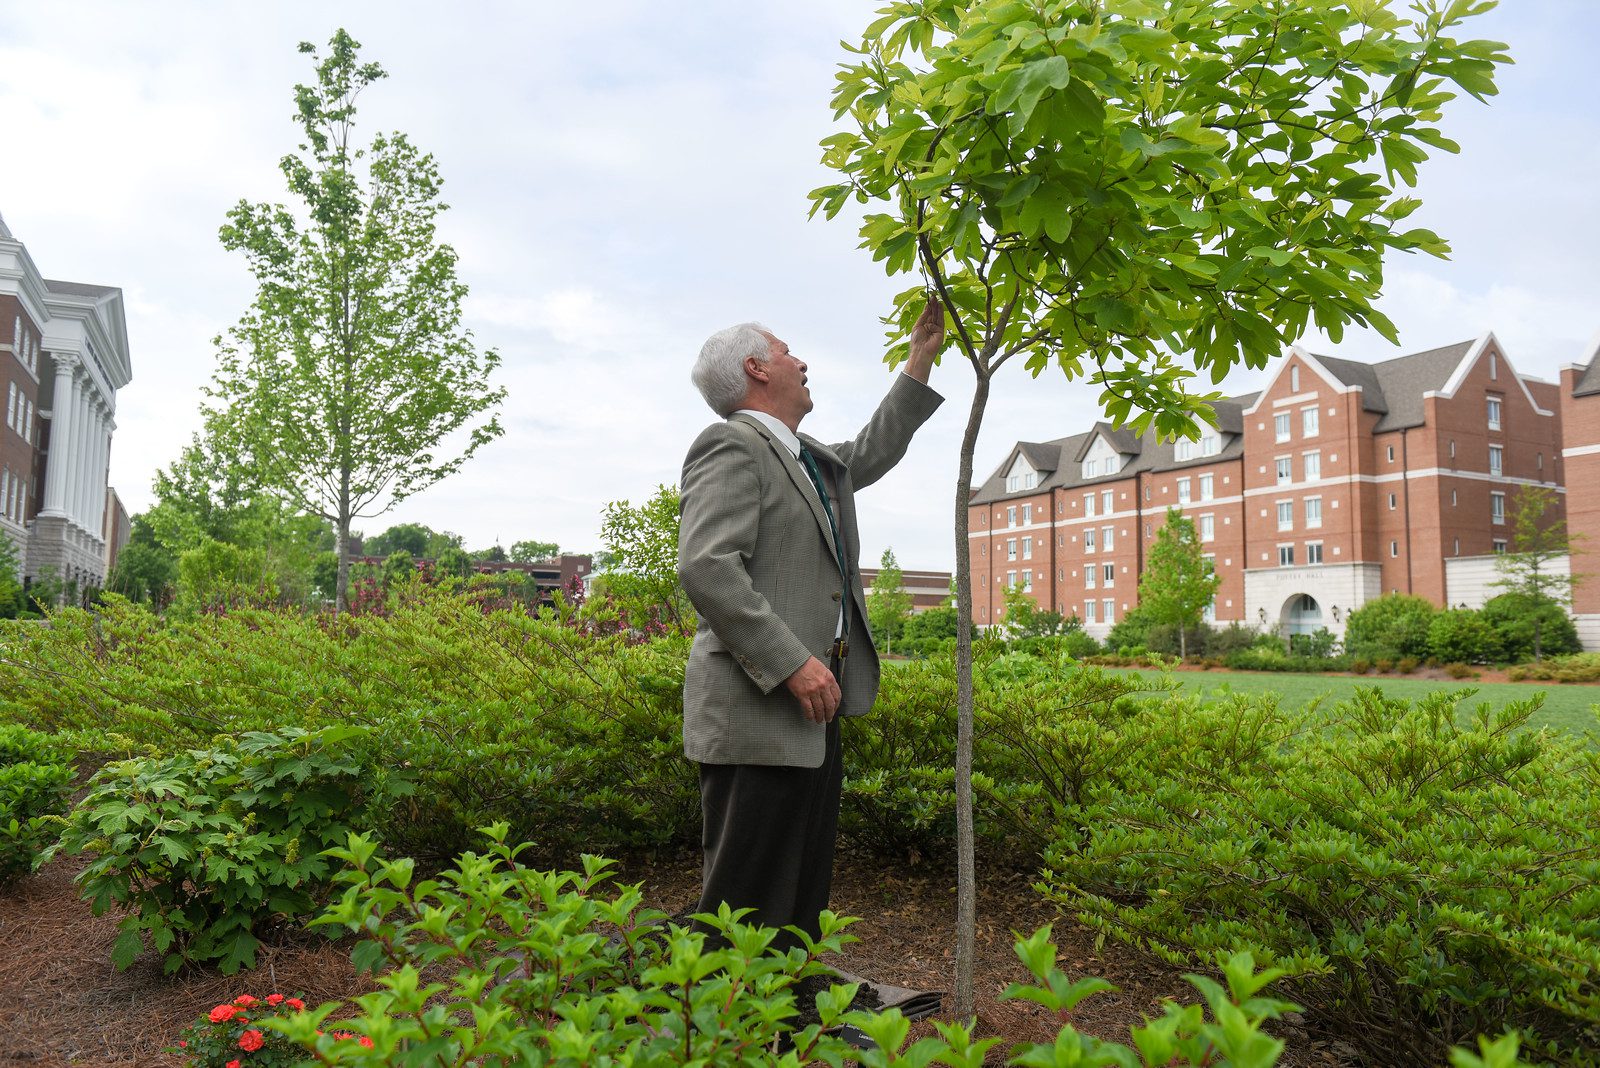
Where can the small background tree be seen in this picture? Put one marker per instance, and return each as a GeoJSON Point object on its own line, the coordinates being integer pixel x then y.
{"type": "Point", "coordinates": [888, 605]}
{"type": "Point", "coordinates": [641, 577]}
{"type": "Point", "coordinates": [343, 382]}
{"type": "Point", "coordinates": [1539, 539]}
{"type": "Point", "coordinates": [531, 552]}
{"type": "Point", "coordinates": [1121, 188]}
{"type": "Point", "coordinates": [1178, 581]}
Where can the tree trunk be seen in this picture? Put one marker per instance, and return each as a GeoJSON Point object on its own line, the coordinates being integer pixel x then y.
{"type": "Point", "coordinates": [341, 586]}
{"type": "Point", "coordinates": [966, 876]}
{"type": "Point", "coordinates": [1183, 642]}
{"type": "Point", "coordinates": [1537, 627]}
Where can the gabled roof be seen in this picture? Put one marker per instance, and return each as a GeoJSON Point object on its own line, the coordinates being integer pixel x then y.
{"type": "Point", "coordinates": [1065, 462]}
{"type": "Point", "coordinates": [1042, 457]}
{"type": "Point", "coordinates": [1589, 380]}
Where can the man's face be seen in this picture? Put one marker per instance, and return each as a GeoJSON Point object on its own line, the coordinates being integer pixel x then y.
{"type": "Point", "coordinates": [786, 380]}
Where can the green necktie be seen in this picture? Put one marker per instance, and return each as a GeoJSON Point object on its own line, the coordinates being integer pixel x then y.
{"type": "Point", "coordinates": [809, 462]}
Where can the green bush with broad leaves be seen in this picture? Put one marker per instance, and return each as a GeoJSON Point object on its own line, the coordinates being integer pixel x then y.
{"type": "Point", "coordinates": [543, 968]}
{"type": "Point", "coordinates": [1514, 617]}
{"type": "Point", "coordinates": [1463, 636]}
{"type": "Point", "coordinates": [1418, 881]}
{"type": "Point", "coordinates": [1389, 627]}
{"type": "Point", "coordinates": [575, 740]}
{"type": "Point", "coordinates": [35, 777]}
{"type": "Point", "coordinates": [208, 849]}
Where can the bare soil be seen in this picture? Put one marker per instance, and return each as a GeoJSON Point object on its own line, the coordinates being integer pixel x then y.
{"type": "Point", "coordinates": [61, 1002]}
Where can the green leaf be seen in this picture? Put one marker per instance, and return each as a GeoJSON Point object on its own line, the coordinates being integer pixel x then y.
{"type": "Point", "coordinates": [1019, 93]}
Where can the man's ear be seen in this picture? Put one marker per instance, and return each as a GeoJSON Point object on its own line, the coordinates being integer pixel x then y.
{"type": "Point", "coordinates": [754, 368]}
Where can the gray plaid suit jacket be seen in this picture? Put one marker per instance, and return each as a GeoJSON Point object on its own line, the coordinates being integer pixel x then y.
{"type": "Point", "coordinates": [756, 558]}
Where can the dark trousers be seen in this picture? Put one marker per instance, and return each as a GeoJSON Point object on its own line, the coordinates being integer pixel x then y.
{"type": "Point", "coordinates": [768, 835]}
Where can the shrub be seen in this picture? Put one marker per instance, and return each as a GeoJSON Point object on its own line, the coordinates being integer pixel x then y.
{"type": "Point", "coordinates": [1319, 644]}
{"type": "Point", "coordinates": [1428, 880]}
{"type": "Point", "coordinates": [551, 968]}
{"type": "Point", "coordinates": [1077, 644]}
{"type": "Point", "coordinates": [209, 848]}
{"type": "Point", "coordinates": [1230, 639]}
{"type": "Point", "coordinates": [1383, 666]}
{"type": "Point", "coordinates": [1390, 627]}
{"type": "Point", "coordinates": [34, 780]}
{"type": "Point", "coordinates": [1273, 658]}
{"type": "Point", "coordinates": [1580, 667]}
{"type": "Point", "coordinates": [241, 1031]}
{"type": "Point", "coordinates": [1360, 665]}
{"type": "Point", "coordinates": [1513, 617]}
{"type": "Point", "coordinates": [1407, 665]}
{"type": "Point", "coordinates": [1131, 631]}
{"type": "Point", "coordinates": [1460, 671]}
{"type": "Point", "coordinates": [1461, 634]}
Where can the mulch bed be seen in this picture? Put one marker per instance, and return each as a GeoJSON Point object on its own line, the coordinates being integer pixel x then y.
{"type": "Point", "coordinates": [61, 1002]}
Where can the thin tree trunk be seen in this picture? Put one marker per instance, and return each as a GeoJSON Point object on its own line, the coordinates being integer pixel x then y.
{"type": "Point", "coordinates": [1183, 642]}
{"type": "Point", "coordinates": [341, 585]}
{"type": "Point", "coordinates": [966, 874]}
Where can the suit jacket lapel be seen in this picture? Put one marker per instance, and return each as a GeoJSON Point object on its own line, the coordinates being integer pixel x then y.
{"type": "Point", "coordinates": [802, 481]}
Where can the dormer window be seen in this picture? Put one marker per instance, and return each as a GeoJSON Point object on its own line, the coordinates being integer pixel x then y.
{"type": "Point", "coordinates": [1090, 468]}
{"type": "Point", "coordinates": [1112, 463]}
{"type": "Point", "coordinates": [1210, 444]}
{"type": "Point", "coordinates": [1021, 477]}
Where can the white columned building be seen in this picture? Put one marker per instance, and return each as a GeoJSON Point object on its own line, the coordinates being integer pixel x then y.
{"type": "Point", "coordinates": [64, 348]}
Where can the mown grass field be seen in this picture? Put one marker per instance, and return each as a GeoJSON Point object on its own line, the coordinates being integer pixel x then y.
{"type": "Point", "coordinates": [1566, 708]}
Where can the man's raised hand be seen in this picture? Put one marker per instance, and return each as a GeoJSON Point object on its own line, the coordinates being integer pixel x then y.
{"type": "Point", "coordinates": [817, 691]}
{"type": "Point", "coordinates": [927, 338]}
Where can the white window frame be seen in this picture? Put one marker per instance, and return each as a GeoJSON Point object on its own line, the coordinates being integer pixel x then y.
{"type": "Point", "coordinates": [1286, 555]}
{"type": "Point", "coordinates": [1091, 575]}
{"type": "Point", "coordinates": [1313, 549]}
{"type": "Point", "coordinates": [1310, 422]}
{"type": "Point", "coordinates": [1183, 491]}
{"type": "Point", "coordinates": [1313, 511]}
{"type": "Point", "coordinates": [1281, 428]}
{"type": "Point", "coordinates": [1284, 468]}
{"type": "Point", "coordinates": [1108, 575]}
{"type": "Point", "coordinates": [1027, 548]}
{"type": "Point", "coordinates": [1311, 465]}
{"type": "Point", "coordinates": [1496, 412]}
{"type": "Point", "coordinates": [1011, 515]}
{"type": "Point", "coordinates": [1108, 503]}
{"type": "Point", "coordinates": [1027, 581]}
{"type": "Point", "coordinates": [1088, 506]}
{"type": "Point", "coordinates": [1108, 538]}
{"type": "Point", "coordinates": [1011, 549]}
{"type": "Point", "coordinates": [1027, 514]}
{"type": "Point", "coordinates": [1089, 539]}
{"type": "Point", "coordinates": [1497, 508]}
{"type": "Point", "coordinates": [1208, 527]}
{"type": "Point", "coordinates": [1109, 610]}
{"type": "Point", "coordinates": [1285, 515]}
{"type": "Point", "coordinates": [1089, 612]}
{"type": "Point", "coordinates": [1207, 487]}
{"type": "Point", "coordinates": [1497, 460]}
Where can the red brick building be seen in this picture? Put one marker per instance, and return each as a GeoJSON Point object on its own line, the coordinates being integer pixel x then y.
{"type": "Point", "coordinates": [928, 589]}
{"type": "Point", "coordinates": [1336, 483]}
{"type": "Point", "coordinates": [1580, 420]}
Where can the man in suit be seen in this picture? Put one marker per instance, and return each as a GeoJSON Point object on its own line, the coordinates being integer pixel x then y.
{"type": "Point", "coordinates": [767, 553]}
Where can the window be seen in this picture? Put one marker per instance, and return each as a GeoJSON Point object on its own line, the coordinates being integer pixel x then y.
{"type": "Point", "coordinates": [1452, 498]}
{"type": "Point", "coordinates": [1011, 548]}
{"type": "Point", "coordinates": [1286, 556]}
{"type": "Point", "coordinates": [1494, 366]}
{"type": "Point", "coordinates": [1285, 471]}
{"type": "Point", "coordinates": [1458, 546]}
{"type": "Point", "coordinates": [1210, 444]}
{"type": "Point", "coordinates": [1088, 612]}
{"type": "Point", "coordinates": [11, 405]}
{"type": "Point", "coordinates": [1294, 379]}
{"type": "Point", "coordinates": [1027, 514]}
{"type": "Point", "coordinates": [1108, 574]}
{"type": "Point", "coordinates": [1183, 491]}
{"type": "Point", "coordinates": [1088, 539]}
{"type": "Point", "coordinates": [1105, 503]}
{"type": "Point", "coordinates": [1011, 516]}
{"type": "Point", "coordinates": [1280, 426]}
{"type": "Point", "coordinates": [1391, 454]}
{"type": "Point", "coordinates": [1494, 413]}
{"type": "Point", "coordinates": [1208, 528]}
{"type": "Point", "coordinates": [1285, 515]}
{"type": "Point", "coordinates": [983, 550]}
{"type": "Point", "coordinates": [1452, 449]}
{"type": "Point", "coordinates": [1312, 464]}
{"type": "Point", "coordinates": [1313, 511]}
{"type": "Point", "coordinates": [1089, 468]}
{"type": "Point", "coordinates": [1205, 487]}
{"type": "Point", "coordinates": [1089, 574]}
{"type": "Point", "coordinates": [1499, 546]}
{"type": "Point", "coordinates": [1309, 423]}
{"type": "Point", "coordinates": [1112, 463]}
{"type": "Point", "coordinates": [1391, 502]}
{"type": "Point", "coordinates": [1105, 538]}
{"type": "Point", "coordinates": [1313, 552]}
{"type": "Point", "coordinates": [27, 425]}
{"type": "Point", "coordinates": [1394, 548]}
{"type": "Point", "coordinates": [1027, 582]}
{"type": "Point", "coordinates": [1011, 579]}
{"type": "Point", "coordinates": [1497, 507]}
{"type": "Point", "coordinates": [1027, 548]}
{"type": "Point", "coordinates": [1538, 461]}
{"type": "Point", "coordinates": [1496, 460]}
{"type": "Point", "coordinates": [1183, 449]}
{"type": "Point", "coordinates": [1088, 505]}
{"type": "Point", "coordinates": [1108, 604]}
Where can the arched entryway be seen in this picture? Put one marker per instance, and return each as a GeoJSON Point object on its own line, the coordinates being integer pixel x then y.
{"type": "Point", "coordinates": [1301, 615]}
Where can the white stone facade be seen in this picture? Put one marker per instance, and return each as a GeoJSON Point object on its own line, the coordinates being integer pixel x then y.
{"type": "Point", "coordinates": [1273, 596]}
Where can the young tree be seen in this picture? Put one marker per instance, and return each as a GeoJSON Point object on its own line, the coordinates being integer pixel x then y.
{"type": "Point", "coordinates": [343, 381]}
{"type": "Point", "coordinates": [531, 552]}
{"type": "Point", "coordinates": [11, 601]}
{"type": "Point", "coordinates": [642, 559]}
{"type": "Point", "coordinates": [1120, 187]}
{"type": "Point", "coordinates": [1540, 539]}
{"type": "Point", "coordinates": [889, 605]}
{"type": "Point", "coordinates": [1178, 582]}
{"type": "Point", "coordinates": [413, 538]}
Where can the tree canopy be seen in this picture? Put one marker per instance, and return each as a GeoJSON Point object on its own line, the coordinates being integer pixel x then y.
{"type": "Point", "coordinates": [1178, 581]}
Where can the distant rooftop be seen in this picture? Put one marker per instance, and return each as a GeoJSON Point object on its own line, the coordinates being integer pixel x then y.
{"type": "Point", "coordinates": [78, 289]}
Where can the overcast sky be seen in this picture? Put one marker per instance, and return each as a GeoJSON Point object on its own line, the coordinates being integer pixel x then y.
{"type": "Point", "coordinates": [626, 178]}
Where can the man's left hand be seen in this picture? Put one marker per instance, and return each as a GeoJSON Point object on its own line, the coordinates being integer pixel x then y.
{"type": "Point", "coordinates": [927, 338]}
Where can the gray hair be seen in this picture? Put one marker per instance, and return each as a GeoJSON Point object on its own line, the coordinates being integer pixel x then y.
{"type": "Point", "coordinates": [719, 372]}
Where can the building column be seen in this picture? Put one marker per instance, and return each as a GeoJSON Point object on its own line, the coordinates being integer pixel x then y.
{"type": "Point", "coordinates": [79, 454]}
{"type": "Point", "coordinates": [86, 494]}
{"type": "Point", "coordinates": [97, 471]}
{"type": "Point", "coordinates": [56, 487]}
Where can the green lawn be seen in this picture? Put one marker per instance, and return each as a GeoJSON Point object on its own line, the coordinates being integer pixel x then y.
{"type": "Point", "coordinates": [1566, 708]}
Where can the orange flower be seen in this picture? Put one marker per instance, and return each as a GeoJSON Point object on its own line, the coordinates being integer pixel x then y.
{"type": "Point", "coordinates": [233, 1063]}
{"type": "Point", "coordinates": [295, 1003]}
{"type": "Point", "coordinates": [274, 999]}
{"type": "Point", "coordinates": [244, 1001]}
{"type": "Point", "coordinates": [251, 1041]}
{"type": "Point", "coordinates": [222, 1013]}
{"type": "Point", "coordinates": [366, 1041]}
